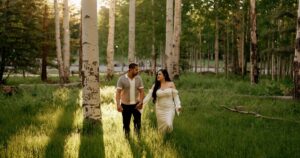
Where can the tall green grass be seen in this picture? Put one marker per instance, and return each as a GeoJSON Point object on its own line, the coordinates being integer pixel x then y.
{"type": "Point", "coordinates": [44, 121]}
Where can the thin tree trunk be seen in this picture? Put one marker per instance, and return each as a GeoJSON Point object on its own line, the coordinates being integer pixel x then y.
{"type": "Point", "coordinates": [239, 23]}
{"type": "Point", "coordinates": [66, 49]}
{"type": "Point", "coordinates": [3, 53]}
{"type": "Point", "coordinates": [195, 59]}
{"type": "Point", "coordinates": [200, 46]}
{"type": "Point", "coordinates": [80, 49]}
{"type": "Point", "coordinates": [253, 55]}
{"type": "Point", "coordinates": [90, 93]}
{"type": "Point", "coordinates": [169, 37]}
{"type": "Point", "coordinates": [45, 45]}
{"type": "Point", "coordinates": [216, 43]}
{"type": "Point", "coordinates": [282, 63]}
{"type": "Point", "coordinates": [176, 38]}
{"type": "Point", "coordinates": [268, 59]}
{"type": "Point", "coordinates": [208, 57]}
{"type": "Point", "coordinates": [131, 43]}
{"type": "Point", "coordinates": [273, 60]}
{"type": "Point", "coordinates": [192, 58]}
{"type": "Point", "coordinates": [153, 53]}
{"type": "Point", "coordinates": [58, 44]}
{"type": "Point", "coordinates": [278, 68]}
{"type": "Point", "coordinates": [234, 57]}
{"type": "Point", "coordinates": [2, 65]}
{"type": "Point", "coordinates": [291, 66]}
{"type": "Point", "coordinates": [227, 51]}
{"type": "Point", "coordinates": [273, 67]}
{"type": "Point", "coordinates": [111, 41]}
{"type": "Point", "coordinates": [162, 56]}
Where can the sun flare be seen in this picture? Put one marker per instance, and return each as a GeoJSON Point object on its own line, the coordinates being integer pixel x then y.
{"type": "Point", "coordinates": [77, 3]}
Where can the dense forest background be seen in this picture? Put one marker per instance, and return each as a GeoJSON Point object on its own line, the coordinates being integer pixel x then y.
{"type": "Point", "coordinates": [27, 34]}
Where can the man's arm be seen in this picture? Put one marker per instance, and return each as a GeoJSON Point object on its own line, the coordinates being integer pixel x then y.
{"type": "Point", "coordinates": [142, 94]}
{"type": "Point", "coordinates": [118, 100]}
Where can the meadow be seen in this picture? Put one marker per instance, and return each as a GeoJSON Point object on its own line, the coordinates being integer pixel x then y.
{"type": "Point", "coordinates": [46, 121]}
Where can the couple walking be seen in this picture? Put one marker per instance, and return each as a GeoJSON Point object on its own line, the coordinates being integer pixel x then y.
{"type": "Point", "coordinates": [130, 99]}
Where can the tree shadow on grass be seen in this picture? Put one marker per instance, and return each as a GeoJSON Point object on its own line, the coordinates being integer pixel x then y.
{"type": "Point", "coordinates": [139, 148]}
{"type": "Point", "coordinates": [91, 140]}
{"type": "Point", "coordinates": [20, 110]}
{"type": "Point", "coordinates": [55, 147]}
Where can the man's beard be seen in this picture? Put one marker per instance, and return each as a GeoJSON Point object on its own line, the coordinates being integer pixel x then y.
{"type": "Point", "coordinates": [134, 74]}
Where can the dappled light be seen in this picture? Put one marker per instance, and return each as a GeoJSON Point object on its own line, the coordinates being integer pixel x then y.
{"type": "Point", "coordinates": [48, 122]}
{"type": "Point", "coordinates": [231, 69]}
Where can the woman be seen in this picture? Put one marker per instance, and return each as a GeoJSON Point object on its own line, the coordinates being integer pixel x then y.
{"type": "Point", "coordinates": [166, 99]}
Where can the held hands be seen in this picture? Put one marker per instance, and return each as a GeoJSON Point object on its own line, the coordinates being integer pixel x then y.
{"type": "Point", "coordinates": [139, 105]}
{"type": "Point", "coordinates": [119, 108]}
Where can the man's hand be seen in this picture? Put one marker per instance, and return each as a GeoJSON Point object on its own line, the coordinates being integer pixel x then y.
{"type": "Point", "coordinates": [139, 105]}
{"type": "Point", "coordinates": [119, 108]}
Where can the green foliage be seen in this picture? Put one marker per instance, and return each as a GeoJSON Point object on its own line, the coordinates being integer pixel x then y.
{"type": "Point", "coordinates": [43, 121]}
{"type": "Point", "coordinates": [145, 23]}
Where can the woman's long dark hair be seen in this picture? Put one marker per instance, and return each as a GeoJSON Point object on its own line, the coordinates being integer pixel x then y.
{"type": "Point", "coordinates": [157, 83]}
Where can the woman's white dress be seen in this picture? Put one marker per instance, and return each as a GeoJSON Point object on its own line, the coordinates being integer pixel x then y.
{"type": "Point", "coordinates": [167, 103]}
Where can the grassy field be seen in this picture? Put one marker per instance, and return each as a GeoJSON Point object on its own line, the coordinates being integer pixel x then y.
{"type": "Point", "coordinates": [44, 121]}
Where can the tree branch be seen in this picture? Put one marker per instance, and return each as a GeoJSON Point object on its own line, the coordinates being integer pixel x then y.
{"type": "Point", "coordinates": [257, 115]}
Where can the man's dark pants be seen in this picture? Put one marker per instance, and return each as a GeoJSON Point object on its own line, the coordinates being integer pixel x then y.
{"type": "Point", "coordinates": [129, 110]}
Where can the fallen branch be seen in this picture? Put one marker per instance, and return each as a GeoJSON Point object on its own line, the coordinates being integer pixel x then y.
{"type": "Point", "coordinates": [257, 115]}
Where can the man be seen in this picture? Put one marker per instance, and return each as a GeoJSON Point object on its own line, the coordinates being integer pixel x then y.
{"type": "Point", "coordinates": [129, 98]}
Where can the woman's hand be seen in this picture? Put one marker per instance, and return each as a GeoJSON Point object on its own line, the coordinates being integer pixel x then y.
{"type": "Point", "coordinates": [139, 105]}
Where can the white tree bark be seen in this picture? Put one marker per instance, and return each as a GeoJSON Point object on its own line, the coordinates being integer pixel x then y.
{"type": "Point", "coordinates": [131, 43]}
{"type": "Point", "coordinates": [110, 44]}
{"type": "Point", "coordinates": [90, 94]}
{"type": "Point", "coordinates": [176, 38]}
{"type": "Point", "coordinates": [58, 43]}
{"type": "Point", "coordinates": [66, 48]}
{"type": "Point", "coordinates": [297, 58]}
{"type": "Point", "coordinates": [169, 37]}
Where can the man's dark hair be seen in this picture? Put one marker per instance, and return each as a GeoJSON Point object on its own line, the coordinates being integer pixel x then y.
{"type": "Point", "coordinates": [132, 65]}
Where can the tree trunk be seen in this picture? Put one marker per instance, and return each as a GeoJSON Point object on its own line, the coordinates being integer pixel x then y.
{"type": "Point", "coordinates": [195, 59]}
{"type": "Point", "coordinates": [111, 41]}
{"type": "Point", "coordinates": [208, 57]}
{"type": "Point", "coordinates": [45, 45]}
{"type": "Point", "coordinates": [234, 56]}
{"type": "Point", "coordinates": [90, 93]}
{"type": "Point", "coordinates": [227, 52]}
{"type": "Point", "coordinates": [162, 56]}
{"type": "Point", "coordinates": [66, 49]}
{"type": "Point", "coordinates": [273, 69]}
{"type": "Point", "coordinates": [58, 44]}
{"type": "Point", "coordinates": [239, 23]}
{"type": "Point", "coordinates": [169, 37]}
{"type": "Point", "coordinates": [3, 53]}
{"type": "Point", "coordinates": [200, 46]}
{"type": "Point", "coordinates": [2, 65]}
{"type": "Point", "coordinates": [131, 43]}
{"type": "Point", "coordinates": [253, 47]}
{"type": "Point", "coordinates": [80, 48]}
{"type": "Point", "coordinates": [216, 49]}
{"type": "Point", "coordinates": [296, 67]}
{"type": "Point", "coordinates": [153, 53]}
{"type": "Point", "coordinates": [176, 38]}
